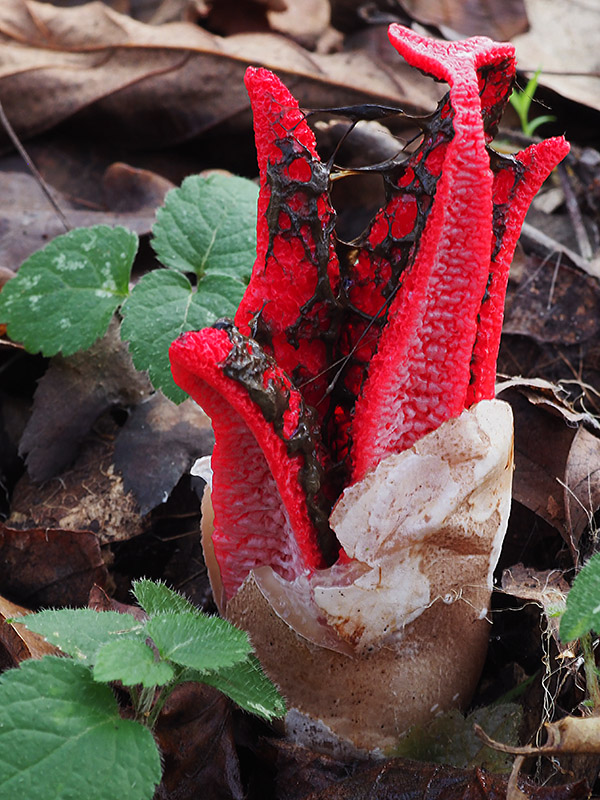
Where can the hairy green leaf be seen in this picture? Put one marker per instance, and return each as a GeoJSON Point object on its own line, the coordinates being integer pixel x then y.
{"type": "Point", "coordinates": [249, 687]}
{"type": "Point", "coordinates": [80, 632]}
{"type": "Point", "coordinates": [132, 663]}
{"type": "Point", "coordinates": [61, 736]}
{"type": "Point", "coordinates": [63, 297]}
{"type": "Point", "coordinates": [198, 641]}
{"type": "Point", "coordinates": [161, 307]}
{"type": "Point", "coordinates": [157, 598]}
{"type": "Point", "coordinates": [582, 614]}
{"type": "Point", "coordinates": [209, 225]}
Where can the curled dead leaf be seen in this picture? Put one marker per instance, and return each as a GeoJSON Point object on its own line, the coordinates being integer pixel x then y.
{"type": "Point", "coordinates": [165, 82]}
{"type": "Point", "coordinates": [18, 643]}
{"type": "Point", "coordinates": [500, 21]}
{"type": "Point", "coordinates": [60, 569]}
{"type": "Point", "coordinates": [557, 459]}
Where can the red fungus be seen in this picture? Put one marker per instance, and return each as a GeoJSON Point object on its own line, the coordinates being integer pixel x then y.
{"type": "Point", "coordinates": [289, 304]}
{"type": "Point", "coordinates": [385, 348]}
{"type": "Point", "coordinates": [428, 366]}
{"type": "Point", "coordinates": [263, 441]}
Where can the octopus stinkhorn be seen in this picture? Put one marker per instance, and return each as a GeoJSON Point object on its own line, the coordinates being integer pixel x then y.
{"type": "Point", "coordinates": [362, 467]}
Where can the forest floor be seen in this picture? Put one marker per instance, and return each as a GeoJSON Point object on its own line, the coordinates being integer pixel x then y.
{"type": "Point", "coordinates": [116, 103]}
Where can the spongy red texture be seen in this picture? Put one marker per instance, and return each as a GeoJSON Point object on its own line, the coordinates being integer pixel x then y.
{"type": "Point", "coordinates": [516, 182]}
{"type": "Point", "coordinates": [295, 277]}
{"type": "Point", "coordinates": [420, 374]}
{"type": "Point", "coordinates": [404, 342]}
{"type": "Point", "coordinates": [260, 508]}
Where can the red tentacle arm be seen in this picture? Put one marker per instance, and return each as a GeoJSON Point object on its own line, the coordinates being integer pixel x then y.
{"type": "Point", "coordinates": [290, 303]}
{"type": "Point", "coordinates": [421, 372]}
{"type": "Point", "coordinates": [516, 182]}
{"type": "Point", "coordinates": [263, 473]}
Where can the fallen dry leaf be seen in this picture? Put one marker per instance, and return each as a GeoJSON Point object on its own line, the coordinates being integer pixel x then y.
{"type": "Point", "coordinates": [28, 221]}
{"type": "Point", "coordinates": [305, 21]}
{"type": "Point", "coordinates": [157, 445]}
{"type": "Point", "coordinates": [195, 736]}
{"type": "Point", "coordinates": [557, 467]}
{"type": "Point", "coordinates": [164, 83]}
{"type": "Point", "coordinates": [411, 781]}
{"type": "Point", "coordinates": [60, 569]}
{"type": "Point", "coordinates": [89, 496]}
{"type": "Point", "coordinates": [100, 601]}
{"type": "Point", "coordinates": [298, 770]}
{"type": "Point", "coordinates": [562, 40]}
{"type": "Point", "coordinates": [18, 643]}
{"type": "Point", "coordinates": [93, 381]}
{"type": "Point", "coordinates": [127, 189]}
{"type": "Point", "coordinates": [552, 302]}
{"type": "Point", "coordinates": [500, 20]}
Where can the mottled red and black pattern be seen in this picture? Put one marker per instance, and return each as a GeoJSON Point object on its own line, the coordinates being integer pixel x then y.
{"type": "Point", "coordinates": [335, 362]}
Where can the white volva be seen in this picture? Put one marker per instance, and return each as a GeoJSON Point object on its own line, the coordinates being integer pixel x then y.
{"type": "Point", "coordinates": [366, 649]}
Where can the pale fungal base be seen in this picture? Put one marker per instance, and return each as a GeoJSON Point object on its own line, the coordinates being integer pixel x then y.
{"type": "Point", "coordinates": [399, 634]}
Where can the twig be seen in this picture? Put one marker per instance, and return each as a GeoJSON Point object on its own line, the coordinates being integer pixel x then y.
{"type": "Point", "coordinates": [512, 789]}
{"type": "Point", "coordinates": [592, 267]}
{"type": "Point", "coordinates": [32, 168]}
{"type": "Point", "coordinates": [585, 248]}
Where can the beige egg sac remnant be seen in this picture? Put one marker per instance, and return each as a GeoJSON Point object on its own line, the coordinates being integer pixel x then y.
{"type": "Point", "coordinates": [368, 648]}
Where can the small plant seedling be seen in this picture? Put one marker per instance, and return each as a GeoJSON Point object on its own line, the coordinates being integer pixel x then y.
{"type": "Point", "coordinates": [521, 101]}
{"type": "Point", "coordinates": [64, 296]}
{"type": "Point", "coordinates": [59, 711]}
{"type": "Point", "coordinates": [582, 618]}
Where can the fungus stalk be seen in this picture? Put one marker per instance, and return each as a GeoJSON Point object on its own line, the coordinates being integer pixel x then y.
{"type": "Point", "coordinates": [362, 467]}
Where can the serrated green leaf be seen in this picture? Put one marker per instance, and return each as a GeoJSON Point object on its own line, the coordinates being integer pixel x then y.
{"type": "Point", "coordinates": [61, 736]}
{"type": "Point", "coordinates": [156, 597]}
{"type": "Point", "coordinates": [63, 297]}
{"type": "Point", "coordinates": [80, 632]}
{"type": "Point", "coordinates": [209, 225]}
{"type": "Point", "coordinates": [582, 614]}
{"type": "Point", "coordinates": [198, 641]}
{"type": "Point", "coordinates": [248, 686]}
{"type": "Point", "coordinates": [132, 663]}
{"type": "Point", "coordinates": [161, 307]}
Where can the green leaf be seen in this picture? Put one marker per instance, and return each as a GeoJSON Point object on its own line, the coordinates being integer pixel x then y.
{"type": "Point", "coordinates": [161, 307]}
{"type": "Point", "coordinates": [450, 738]}
{"type": "Point", "coordinates": [80, 632]}
{"type": "Point", "coordinates": [132, 663]}
{"type": "Point", "coordinates": [155, 597]}
{"type": "Point", "coordinates": [61, 736]}
{"type": "Point", "coordinates": [249, 687]}
{"type": "Point", "coordinates": [535, 123]}
{"type": "Point", "coordinates": [209, 225]}
{"type": "Point", "coordinates": [198, 641]}
{"type": "Point", "coordinates": [63, 297]}
{"type": "Point", "coordinates": [582, 614]}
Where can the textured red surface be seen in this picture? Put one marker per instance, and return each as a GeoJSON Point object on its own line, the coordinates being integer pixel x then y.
{"type": "Point", "coordinates": [515, 186]}
{"type": "Point", "coordinates": [385, 346]}
{"type": "Point", "coordinates": [420, 374]}
{"type": "Point", "coordinates": [296, 272]}
{"type": "Point", "coordinates": [260, 508]}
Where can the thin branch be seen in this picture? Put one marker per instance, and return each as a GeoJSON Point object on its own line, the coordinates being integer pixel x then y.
{"type": "Point", "coordinates": [536, 236]}
{"type": "Point", "coordinates": [32, 168]}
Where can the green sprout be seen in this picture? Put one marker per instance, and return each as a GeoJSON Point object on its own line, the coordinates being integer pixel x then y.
{"type": "Point", "coordinates": [521, 102]}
